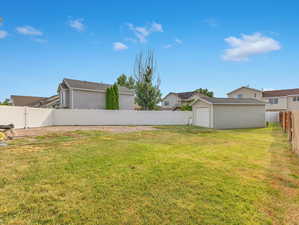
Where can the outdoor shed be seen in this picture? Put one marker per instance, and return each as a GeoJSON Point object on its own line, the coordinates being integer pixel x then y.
{"type": "Point", "coordinates": [228, 113]}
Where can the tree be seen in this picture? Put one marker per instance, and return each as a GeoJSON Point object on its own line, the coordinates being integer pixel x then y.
{"type": "Point", "coordinates": [205, 92]}
{"type": "Point", "coordinates": [115, 96]}
{"type": "Point", "coordinates": [5, 102]}
{"type": "Point", "coordinates": [125, 81]}
{"type": "Point", "coordinates": [112, 97]}
{"type": "Point", "coordinates": [147, 85]}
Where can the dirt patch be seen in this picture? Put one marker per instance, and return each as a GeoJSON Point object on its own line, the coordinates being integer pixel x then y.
{"type": "Point", "coordinates": [40, 131]}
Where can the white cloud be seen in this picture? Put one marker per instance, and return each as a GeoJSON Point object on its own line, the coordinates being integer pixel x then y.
{"type": "Point", "coordinates": [168, 46]}
{"type": "Point", "coordinates": [28, 30]}
{"type": "Point", "coordinates": [3, 34]}
{"type": "Point", "coordinates": [211, 22]}
{"type": "Point", "coordinates": [40, 40]}
{"type": "Point", "coordinates": [143, 32]}
{"type": "Point", "coordinates": [178, 41]}
{"type": "Point", "coordinates": [248, 45]}
{"type": "Point", "coordinates": [77, 24]}
{"type": "Point", "coordinates": [118, 46]}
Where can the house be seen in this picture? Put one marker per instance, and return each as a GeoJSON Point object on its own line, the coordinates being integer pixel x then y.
{"type": "Point", "coordinates": [277, 100]}
{"type": "Point", "coordinates": [34, 101]}
{"type": "Point", "coordinates": [228, 113]}
{"type": "Point", "coordinates": [77, 94]}
{"type": "Point", "coordinates": [175, 100]}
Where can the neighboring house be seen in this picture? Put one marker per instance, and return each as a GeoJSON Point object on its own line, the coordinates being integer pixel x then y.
{"type": "Point", "coordinates": [34, 101]}
{"type": "Point", "coordinates": [175, 100]}
{"type": "Point", "coordinates": [77, 94]}
{"type": "Point", "coordinates": [228, 113]}
{"type": "Point", "coordinates": [276, 100]}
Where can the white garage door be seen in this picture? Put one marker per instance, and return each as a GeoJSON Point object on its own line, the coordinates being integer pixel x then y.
{"type": "Point", "coordinates": [203, 117]}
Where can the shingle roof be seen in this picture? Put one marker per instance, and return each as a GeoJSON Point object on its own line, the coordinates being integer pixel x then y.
{"type": "Point", "coordinates": [241, 101]}
{"type": "Point", "coordinates": [19, 100]}
{"type": "Point", "coordinates": [47, 101]}
{"type": "Point", "coordinates": [284, 92]}
{"type": "Point", "coordinates": [79, 84]}
{"type": "Point", "coordinates": [186, 95]}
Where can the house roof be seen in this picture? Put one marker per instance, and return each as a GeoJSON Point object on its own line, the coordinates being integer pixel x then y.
{"type": "Point", "coordinates": [79, 84]}
{"type": "Point", "coordinates": [19, 100]}
{"type": "Point", "coordinates": [284, 92]}
{"type": "Point", "coordinates": [184, 95]}
{"type": "Point", "coordinates": [253, 89]}
{"type": "Point", "coordinates": [231, 101]}
{"type": "Point", "coordinates": [47, 101]}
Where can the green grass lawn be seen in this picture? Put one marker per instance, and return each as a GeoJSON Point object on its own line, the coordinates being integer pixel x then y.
{"type": "Point", "coordinates": [173, 175]}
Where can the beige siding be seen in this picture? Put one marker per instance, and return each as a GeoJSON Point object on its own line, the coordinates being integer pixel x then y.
{"type": "Point", "coordinates": [201, 104]}
{"type": "Point", "coordinates": [282, 103]}
{"type": "Point", "coordinates": [238, 116]}
{"type": "Point", "coordinates": [246, 93]}
{"type": "Point", "coordinates": [172, 99]}
{"type": "Point", "coordinates": [292, 105]}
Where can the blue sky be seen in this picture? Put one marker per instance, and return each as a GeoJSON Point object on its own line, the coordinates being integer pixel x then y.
{"type": "Point", "coordinates": [219, 45]}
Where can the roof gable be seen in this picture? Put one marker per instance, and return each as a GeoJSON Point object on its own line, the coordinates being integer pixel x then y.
{"type": "Point", "coordinates": [243, 87]}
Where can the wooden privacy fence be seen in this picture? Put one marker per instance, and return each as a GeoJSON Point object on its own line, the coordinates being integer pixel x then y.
{"type": "Point", "coordinates": [289, 122]}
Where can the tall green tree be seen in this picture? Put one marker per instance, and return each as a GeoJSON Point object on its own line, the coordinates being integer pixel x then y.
{"type": "Point", "coordinates": [205, 91]}
{"type": "Point", "coordinates": [115, 96]}
{"type": "Point", "coordinates": [112, 97]}
{"type": "Point", "coordinates": [125, 81]}
{"type": "Point", "coordinates": [147, 86]}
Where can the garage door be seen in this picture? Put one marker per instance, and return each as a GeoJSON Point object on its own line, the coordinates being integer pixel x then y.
{"type": "Point", "coordinates": [203, 117]}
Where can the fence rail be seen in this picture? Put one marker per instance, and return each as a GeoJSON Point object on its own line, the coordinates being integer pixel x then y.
{"type": "Point", "coordinates": [26, 117]}
{"type": "Point", "coordinates": [289, 122]}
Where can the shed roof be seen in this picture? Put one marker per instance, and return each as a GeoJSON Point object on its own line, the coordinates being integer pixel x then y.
{"type": "Point", "coordinates": [231, 101]}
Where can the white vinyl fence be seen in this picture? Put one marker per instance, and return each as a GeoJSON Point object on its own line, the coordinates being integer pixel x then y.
{"type": "Point", "coordinates": [272, 117]}
{"type": "Point", "coordinates": [25, 117]}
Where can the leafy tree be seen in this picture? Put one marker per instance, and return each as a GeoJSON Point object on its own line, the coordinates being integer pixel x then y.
{"type": "Point", "coordinates": [186, 107]}
{"type": "Point", "coordinates": [147, 86]}
{"type": "Point", "coordinates": [5, 102]}
{"type": "Point", "coordinates": [205, 92]}
{"type": "Point", "coordinates": [125, 81]}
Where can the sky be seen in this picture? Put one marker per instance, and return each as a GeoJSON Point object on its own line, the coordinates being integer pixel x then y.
{"type": "Point", "coordinates": [219, 45]}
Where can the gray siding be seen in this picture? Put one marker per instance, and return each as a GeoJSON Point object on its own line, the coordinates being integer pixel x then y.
{"type": "Point", "coordinates": [89, 100]}
{"type": "Point", "coordinates": [97, 100]}
{"type": "Point", "coordinates": [126, 102]}
{"type": "Point", "coordinates": [238, 116]}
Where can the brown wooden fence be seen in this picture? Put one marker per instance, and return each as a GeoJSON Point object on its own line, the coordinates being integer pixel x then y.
{"type": "Point", "coordinates": [289, 122]}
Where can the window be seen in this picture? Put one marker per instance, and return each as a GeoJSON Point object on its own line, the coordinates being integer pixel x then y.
{"type": "Point", "coordinates": [166, 103]}
{"type": "Point", "coordinates": [273, 100]}
{"type": "Point", "coordinates": [240, 96]}
{"type": "Point", "coordinates": [296, 99]}
{"type": "Point", "coordinates": [255, 95]}
{"type": "Point", "coordinates": [62, 97]}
